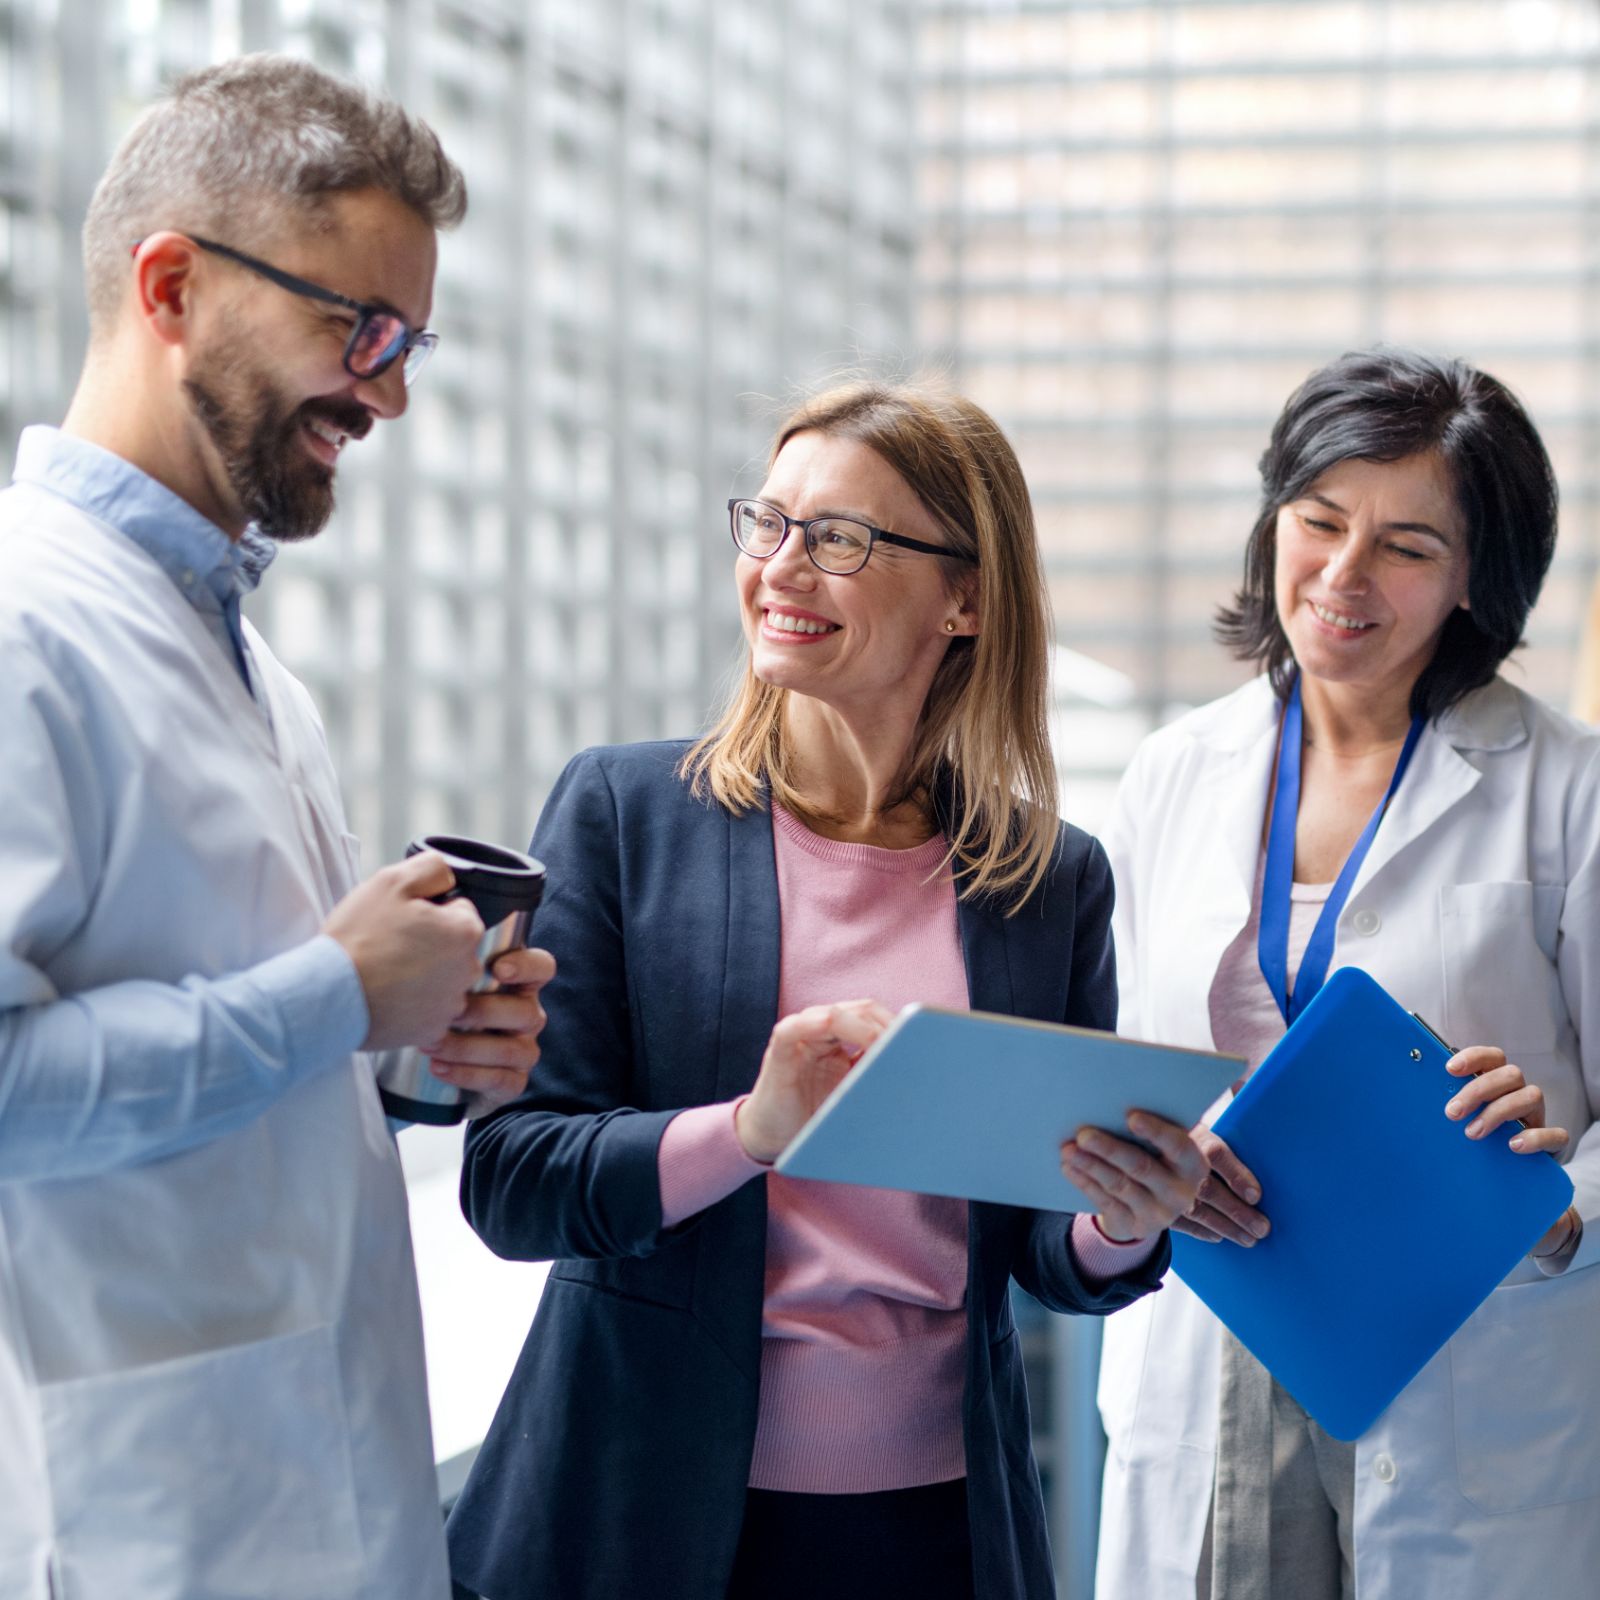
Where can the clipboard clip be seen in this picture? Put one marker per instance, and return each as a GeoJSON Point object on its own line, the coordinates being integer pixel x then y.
{"type": "Point", "coordinates": [1433, 1033]}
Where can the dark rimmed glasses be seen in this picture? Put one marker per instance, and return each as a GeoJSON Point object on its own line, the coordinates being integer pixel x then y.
{"type": "Point", "coordinates": [380, 337]}
{"type": "Point", "coordinates": [840, 545]}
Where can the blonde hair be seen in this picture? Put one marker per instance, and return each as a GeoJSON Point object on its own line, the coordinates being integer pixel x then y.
{"type": "Point", "coordinates": [980, 760]}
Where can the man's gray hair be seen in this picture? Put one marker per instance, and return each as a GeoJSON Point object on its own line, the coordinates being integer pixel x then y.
{"type": "Point", "coordinates": [235, 147]}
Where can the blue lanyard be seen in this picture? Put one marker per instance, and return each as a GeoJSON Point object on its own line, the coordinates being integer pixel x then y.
{"type": "Point", "coordinates": [1272, 943]}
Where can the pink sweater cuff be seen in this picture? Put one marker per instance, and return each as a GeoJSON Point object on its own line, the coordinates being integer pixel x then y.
{"type": "Point", "coordinates": [700, 1161]}
{"type": "Point", "coordinates": [1098, 1256]}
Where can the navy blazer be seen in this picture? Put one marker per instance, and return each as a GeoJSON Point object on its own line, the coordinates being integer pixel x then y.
{"type": "Point", "coordinates": [618, 1459]}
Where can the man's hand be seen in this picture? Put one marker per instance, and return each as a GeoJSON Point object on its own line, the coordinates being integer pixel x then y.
{"type": "Point", "coordinates": [493, 1046]}
{"type": "Point", "coordinates": [416, 960]}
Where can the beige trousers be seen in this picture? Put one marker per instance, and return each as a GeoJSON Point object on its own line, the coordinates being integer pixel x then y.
{"type": "Point", "coordinates": [1283, 1504]}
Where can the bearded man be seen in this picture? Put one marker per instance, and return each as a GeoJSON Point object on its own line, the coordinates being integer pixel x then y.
{"type": "Point", "coordinates": [211, 1371]}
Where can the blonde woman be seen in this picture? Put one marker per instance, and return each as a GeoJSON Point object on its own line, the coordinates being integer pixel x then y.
{"type": "Point", "coordinates": [739, 1384]}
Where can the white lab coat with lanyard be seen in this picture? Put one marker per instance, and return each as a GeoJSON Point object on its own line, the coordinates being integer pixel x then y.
{"type": "Point", "coordinates": [1478, 907]}
{"type": "Point", "coordinates": [211, 1367]}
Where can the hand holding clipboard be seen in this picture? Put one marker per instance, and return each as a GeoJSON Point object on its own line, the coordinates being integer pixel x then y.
{"type": "Point", "coordinates": [1305, 1298]}
{"type": "Point", "coordinates": [1230, 1208]}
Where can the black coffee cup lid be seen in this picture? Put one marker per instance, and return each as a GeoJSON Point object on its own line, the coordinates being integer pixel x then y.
{"type": "Point", "coordinates": [496, 880]}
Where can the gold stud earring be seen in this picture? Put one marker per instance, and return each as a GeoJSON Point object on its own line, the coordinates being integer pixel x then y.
{"type": "Point", "coordinates": [949, 625]}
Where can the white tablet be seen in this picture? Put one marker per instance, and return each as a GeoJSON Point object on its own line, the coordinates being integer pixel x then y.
{"type": "Point", "coordinates": [976, 1106]}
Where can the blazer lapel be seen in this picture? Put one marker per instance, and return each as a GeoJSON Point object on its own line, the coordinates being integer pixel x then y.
{"type": "Point", "coordinates": [750, 964]}
{"type": "Point", "coordinates": [991, 984]}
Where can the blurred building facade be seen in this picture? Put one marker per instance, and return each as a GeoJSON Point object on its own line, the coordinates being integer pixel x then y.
{"type": "Point", "coordinates": [1145, 221]}
{"type": "Point", "coordinates": [679, 209]}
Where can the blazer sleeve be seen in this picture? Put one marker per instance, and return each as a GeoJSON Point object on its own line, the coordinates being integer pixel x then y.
{"type": "Point", "coordinates": [1043, 1262]}
{"type": "Point", "coordinates": [569, 1170]}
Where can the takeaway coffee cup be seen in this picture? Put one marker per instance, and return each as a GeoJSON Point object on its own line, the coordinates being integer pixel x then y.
{"type": "Point", "coordinates": [504, 887]}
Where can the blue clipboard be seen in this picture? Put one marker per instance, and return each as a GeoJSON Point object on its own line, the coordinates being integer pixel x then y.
{"type": "Point", "coordinates": [1346, 1191]}
{"type": "Point", "coordinates": [976, 1106]}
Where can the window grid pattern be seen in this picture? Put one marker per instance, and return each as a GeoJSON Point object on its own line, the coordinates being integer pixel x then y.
{"type": "Point", "coordinates": [679, 212]}
{"type": "Point", "coordinates": [1145, 222]}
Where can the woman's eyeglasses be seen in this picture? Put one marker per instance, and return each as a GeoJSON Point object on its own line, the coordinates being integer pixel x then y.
{"type": "Point", "coordinates": [839, 545]}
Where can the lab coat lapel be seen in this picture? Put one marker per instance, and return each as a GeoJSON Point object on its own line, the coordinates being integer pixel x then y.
{"type": "Point", "coordinates": [1441, 776]}
{"type": "Point", "coordinates": [1236, 790]}
{"type": "Point", "coordinates": [1229, 809]}
{"type": "Point", "coordinates": [1204, 832]}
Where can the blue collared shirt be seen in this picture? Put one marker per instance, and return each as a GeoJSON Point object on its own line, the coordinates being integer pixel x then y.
{"type": "Point", "coordinates": [101, 1078]}
{"type": "Point", "coordinates": [213, 572]}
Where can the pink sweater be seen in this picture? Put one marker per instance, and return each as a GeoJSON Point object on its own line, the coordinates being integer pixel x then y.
{"type": "Point", "coordinates": [864, 1320]}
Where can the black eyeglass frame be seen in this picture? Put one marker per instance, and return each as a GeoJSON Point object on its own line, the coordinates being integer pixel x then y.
{"type": "Point", "coordinates": [418, 342]}
{"type": "Point", "coordinates": [806, 525]}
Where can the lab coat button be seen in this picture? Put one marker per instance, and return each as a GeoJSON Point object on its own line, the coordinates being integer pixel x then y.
{"type": "Point", "coordinates": [1383, 1467]}
{"type": "Point", "coordinates": [1367, 922]}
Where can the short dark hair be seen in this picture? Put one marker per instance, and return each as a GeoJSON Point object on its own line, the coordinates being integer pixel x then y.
{"type": "Point", "coordinates": [1384, 405]}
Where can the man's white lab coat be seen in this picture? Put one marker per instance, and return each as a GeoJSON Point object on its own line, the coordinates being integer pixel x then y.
{"type": "Point", "coordinates": [211, 1366]}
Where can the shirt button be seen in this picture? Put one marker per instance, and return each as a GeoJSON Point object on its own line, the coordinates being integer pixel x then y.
{"type": "Point", "coordinates": [1383, 1467]}
{"type": "Point", "coordinates": [1367, 922]}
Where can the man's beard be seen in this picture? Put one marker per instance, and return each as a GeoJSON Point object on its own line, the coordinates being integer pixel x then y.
{"type": "Point", "coordinates": [281, 487]}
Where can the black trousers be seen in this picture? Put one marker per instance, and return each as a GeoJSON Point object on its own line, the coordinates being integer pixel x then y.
{"type": "Point", "coordinates": [898, 1544]}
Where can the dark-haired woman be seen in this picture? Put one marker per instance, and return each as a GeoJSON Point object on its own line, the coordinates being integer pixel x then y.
{"type": "Point", "coordinates": [1443, 833]}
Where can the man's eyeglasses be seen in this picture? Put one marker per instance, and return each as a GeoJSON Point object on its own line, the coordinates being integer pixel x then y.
{"type": "Point", "coordinates": [839, 545]}
{"type": "Point", "coordinates": [380, 337]}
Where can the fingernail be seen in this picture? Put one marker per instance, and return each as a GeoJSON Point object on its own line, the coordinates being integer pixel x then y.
{"type": "Point", "coordinates": [1519, 1143]}
{"type": "Point", "coordinates": [1252, 1194]}
{"type": "Point", "coordinates": [506, 970]}
{"type": "Point", "coordinates": [1452, 1108]}
{"type": "Point", "coordinates": [438, 1069]}
{"type": "Point", "coordinates": [1475, 1129]}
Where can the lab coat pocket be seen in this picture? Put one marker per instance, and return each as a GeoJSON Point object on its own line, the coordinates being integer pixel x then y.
{"type": "Point", "coordinates": [1525, 1384]}
{"type": "Point", "coordinates": [1498, 942]}
{"type": "Point", "coordinates": [223, 1473]}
